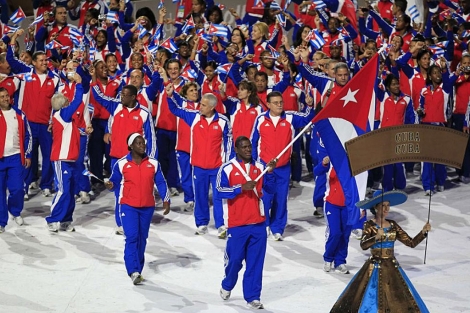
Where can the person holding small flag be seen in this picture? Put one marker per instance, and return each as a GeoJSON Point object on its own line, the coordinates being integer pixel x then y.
{"type": "Point", "coordinates": [34, 99]}
{"type": "Point", "coordinates": [64, 154]}
{"type": "Point", "coordinates": [211, 141]}
{"type": "Point", "coordinates": [128, 116]}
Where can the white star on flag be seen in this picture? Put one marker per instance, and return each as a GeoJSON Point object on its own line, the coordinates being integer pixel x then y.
{"type": "Point", "coordinates": [349, 97]}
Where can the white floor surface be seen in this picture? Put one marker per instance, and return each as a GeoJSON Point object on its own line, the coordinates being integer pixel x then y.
{"type": "Point", "coordinates": [84, 271]}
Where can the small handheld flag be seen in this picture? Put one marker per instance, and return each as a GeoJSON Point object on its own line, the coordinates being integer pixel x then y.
{"type": "Point", "coordinates": [38, 20]}
{"type": "Point", "coordinates": [90, 174]}
{"type": "Point", "coordinates": [17, 16]}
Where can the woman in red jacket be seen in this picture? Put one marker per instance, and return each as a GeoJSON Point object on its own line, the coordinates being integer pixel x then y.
{"type": "Point", "coordinates": [135, 175]}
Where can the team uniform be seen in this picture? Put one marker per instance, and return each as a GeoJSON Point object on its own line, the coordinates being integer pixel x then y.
{"type": "Point", "coordinates": [211, 141]}
{"type": "Point", "coordinates": [122, 122]}
{"type": "Point", "coordinates": [15, 146]}
{"type": "Point", "coordinates": [64, 154]}
{"type": "Point", "coordinates": [134, 184]}
{"type": "Point", "coordinates": [394, 111]}
{"type": "Point", "coordinates": [34, 99]}
{"type": "Point", "coordinates": [244, 217]}
{"type": "Point", "coordinates": [269, 137]}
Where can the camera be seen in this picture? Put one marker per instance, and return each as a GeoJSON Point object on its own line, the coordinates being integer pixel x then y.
{"type": "Point", "coordinates": [102, 17]}
{"type": "Point", "coordinates": [70, 74]}
{"type": "Point", "coordinates": [364, 9]}
{"type": "Point", "coordinates": [465, 68]}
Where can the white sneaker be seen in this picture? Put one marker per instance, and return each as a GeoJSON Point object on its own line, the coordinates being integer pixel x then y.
{"type": "Point", "coordinates": [52, 227]}
{"type": "Point", "coordinates": [174, 192]}
{"type": "Point", "coordinates": [440, 188]}
{"type": "Point", "coordinates": [84, 197]}
{"type": "Point", "coordinates": [33, 185]}
{"type": "Point", "coordinates": [224, 294]}
{"type": "Point", "coordinates": [343, 269]}
{"type": "Point", "coordinates": [67, 226]}
{"type": "Point", "coordinates": [296, 184]}
{"type": "Point", "coordinates": [119, 230]}
{"type": "Point", "coordinates": [26, 197]}
{"type": "Point", "coordinates": [255, 304]}
{"type": "Point", "coordinates": [428, 193]}
{"type": "Point", "coordinates": [318, 213]}
{"type": "Point", "coordinates": [327, 266]}
{"type": "Point", "coordinates": [189, 206]}
{"type": "Point", "coordinates": [78, 199]}
{"type": "Point", "coordinates": [136, 278]}
{"type": "Point", "coordinates": [278, 237]}
{"type": "Point", "coordinates": [46, 192]}
{"type": "Point", "coordinates": [357, 233]}
{"type": "Point", "coordinates": [92, 195]}
{"type": "Point", "coordinates": [222, 232]}
{"type": "Point", "coordinates": [18, 220]}
{"type": "Point", "coordinates": [201, 230]}
{"type": "Point", "coordinates": [2, 229]}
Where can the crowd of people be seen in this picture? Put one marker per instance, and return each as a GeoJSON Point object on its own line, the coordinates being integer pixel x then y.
{"type": "Point", "coordinates": [114, 91]}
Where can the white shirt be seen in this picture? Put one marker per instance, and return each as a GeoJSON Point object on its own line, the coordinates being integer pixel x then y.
{"type": "Point", "coordinates": [42, 78]}
{"type": "Point", "coordinates": [12, 136]}
{"type": "Point", "coordinates": [275, 119]}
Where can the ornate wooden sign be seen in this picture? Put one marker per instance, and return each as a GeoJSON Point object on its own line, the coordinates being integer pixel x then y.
{"type": "Point", "coordinates": [406, 143]}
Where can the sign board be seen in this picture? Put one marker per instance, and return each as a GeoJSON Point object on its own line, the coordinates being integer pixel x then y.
{"type": "Point", "coordinates": [406, 143]}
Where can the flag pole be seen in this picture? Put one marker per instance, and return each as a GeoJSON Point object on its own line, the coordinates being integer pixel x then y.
{"type": "Point", "coordinates": [429, 214]}
{"type": "Point", "coordinates": [285, 149]}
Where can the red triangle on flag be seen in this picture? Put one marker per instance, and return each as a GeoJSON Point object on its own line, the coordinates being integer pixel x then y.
{"type": "Point", "coordinates": [354, 101]}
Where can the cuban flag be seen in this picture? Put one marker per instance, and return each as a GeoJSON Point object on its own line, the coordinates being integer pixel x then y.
{"type": "Point", "coordinates": [161, 4]}
{"type": "Point", "coordinates": [9, 29]}
{"type": "Point", "coordinates": [112, 17]}
{"type": "Point", "coordinates": [413, 12]}
{"type": "Point", "coordinates": [170, 45]}
{"type": "Point", "coordinates": [286, 4]}
{"type": "Point", "coordinates": [37, 20]}
{"type": "Point", "coordinates": [53, 45]}
{"type": "Point", "coordinates": [319, 4]}
{"type": "Point", "coordinates": [444, 14]}
{"type": "Point", "coordinates": [17, 16]}
{"type": "Point", "coordinates": [274, 52]}
{"type": "Point", "coordinates": [142, 31]}
{"type": "Point", "coordinates": [218, 30]}
{"type": "Point", "coordinates": [188, 25]}
{"type": "Point", "coordinates": [224, 68]}
{"type": "Point", "coordinates": [221, 6]}
{"type": "Point", "coordinates": [438, 49]}
{"type": "Point", "coordinates": [92, 51]}
{"type": "Point", "coordinates": [76, 36]}
{"type": "Point", "coordinates": [349, 114]}
{"type": "Point", "coordinates": [384, 50]}
{"type": "Point", "coordinates": [315, 39]}
{"type": "Point", "coordinates": [90, 174]}
{"type": "Point", "coordinates": [190, 74]}
{"type": "Point", "coordinates": [26, 77]}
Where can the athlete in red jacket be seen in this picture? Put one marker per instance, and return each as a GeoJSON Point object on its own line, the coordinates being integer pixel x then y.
{"type": "Point", "coordinates": [134, 176]}
{"type": "Point", "coordinates": [244, 213]}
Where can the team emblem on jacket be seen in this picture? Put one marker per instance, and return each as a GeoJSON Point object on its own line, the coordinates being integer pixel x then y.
{"type": "Point", "coordinates": [216, 127]}
{"type": "Point", "coordinates": [283, 124]}
{"type": "Point", "coordinates": [136, 118]}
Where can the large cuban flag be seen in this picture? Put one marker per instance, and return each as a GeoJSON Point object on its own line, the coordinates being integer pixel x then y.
{"type": "Point", "coordinates": [348, 115]}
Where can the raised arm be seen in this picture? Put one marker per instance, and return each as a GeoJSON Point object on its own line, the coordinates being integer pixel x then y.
{"type": "Point", "coordinates": [110, 104]}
